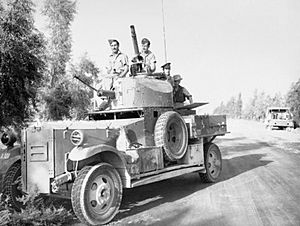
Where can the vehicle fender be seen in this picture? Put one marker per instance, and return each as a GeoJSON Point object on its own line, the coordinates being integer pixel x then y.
{"type": "Point", "coordinates": [8, 157]}
{"type": "Point", "coordinates": [81, 153]}
{"type": "Point", "coordinates": [107, 154]}
{"type": "Point", "coordinates": [10, 152]}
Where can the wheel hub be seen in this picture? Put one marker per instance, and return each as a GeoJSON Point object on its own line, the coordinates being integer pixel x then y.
{"type": "Point", "coordinates": [100, 194]}
{"type": "Point", "coordinates": [214, 164]}
{"type": "Point", "coordinates": [174, 136]}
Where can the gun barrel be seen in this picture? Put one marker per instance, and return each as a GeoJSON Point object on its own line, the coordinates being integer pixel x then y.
{"type": "Point", "coordinates": [91, 87]}
{"type": "Point", "coordinates": [101, 92]}
{"type": "Point", "coordinates": [134, 40]}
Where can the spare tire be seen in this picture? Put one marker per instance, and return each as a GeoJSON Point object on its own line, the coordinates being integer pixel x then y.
{"type": "Point", "coordinates": [171, 133]}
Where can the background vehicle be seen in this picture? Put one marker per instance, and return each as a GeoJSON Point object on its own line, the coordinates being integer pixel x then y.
{"type": "Point", "coordinates": [10, 169]}
{"type": "Point", "coordinates": [139, 140]}
{"type": "Point", "coordinates": [279, 117]}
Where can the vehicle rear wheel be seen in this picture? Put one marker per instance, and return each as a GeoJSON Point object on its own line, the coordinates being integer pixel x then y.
{"type": "Point", "coordinates": [12, 186]}
{"type": "Point", "coordinates": [97, 194]}
{"type": "Point", "coordinates": [212, 162]}
{"type": "Point", "coordinates": [171, 133]}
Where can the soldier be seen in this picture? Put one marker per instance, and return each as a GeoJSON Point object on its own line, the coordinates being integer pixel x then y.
{"type": "Point", "coordinates": [148, 57]}
{"type": "Point", "coordinates": [118, 67]}
{"type": "Point", "coordinates": [167, 72]}
{"type": "Point", "coordinates": [118, 62]}
{"type": "Point", "coordinates": [180, 94]}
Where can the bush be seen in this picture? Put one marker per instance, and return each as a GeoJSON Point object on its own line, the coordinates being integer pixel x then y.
{"type": "Point", "coordinates": [35, 213]}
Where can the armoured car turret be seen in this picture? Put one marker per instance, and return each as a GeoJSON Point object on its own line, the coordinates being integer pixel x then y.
{"type": "Point", "coordinates": [139, 139]}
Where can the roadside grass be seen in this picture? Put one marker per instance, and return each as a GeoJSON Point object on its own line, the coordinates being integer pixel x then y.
{"type": "Point", "coordinates": [37, 212]}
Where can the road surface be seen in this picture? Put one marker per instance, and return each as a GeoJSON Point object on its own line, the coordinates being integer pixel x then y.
{"type": "Point", "coordinates": [260, 185]}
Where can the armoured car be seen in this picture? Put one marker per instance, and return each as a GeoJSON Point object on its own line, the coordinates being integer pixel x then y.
{"type": "Point", "coordinates": [139, 139]}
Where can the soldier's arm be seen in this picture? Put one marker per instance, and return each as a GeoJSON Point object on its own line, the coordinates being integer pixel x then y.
{"type": "Point", "coordinates": [152, 64]}
{"type": "Point", "coordinates": [188, 95]}
{"type": "Point", "coordinates": [124, 71]}
{"type": "Point", "coordinates": [125, 68]}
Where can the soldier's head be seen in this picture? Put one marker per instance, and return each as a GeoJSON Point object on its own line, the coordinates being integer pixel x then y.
{"type": "Point", "coordinates": [167, 69]}
{"type": "Point", "coordinates": [176, 80]}
{"type": "Point", "coordinates": [114, 45]}
{"type": "Point", "coordinates": [145, 44]}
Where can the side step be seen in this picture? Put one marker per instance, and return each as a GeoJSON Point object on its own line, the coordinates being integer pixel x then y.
{"type": "Point", "coordinates": [166, 175]}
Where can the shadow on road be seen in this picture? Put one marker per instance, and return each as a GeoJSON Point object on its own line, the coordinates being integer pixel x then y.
{"type": "Point", "coordinates": [243, 147]}
{"type": "Point", "coordinates": [241, 164]}
{"type": "Point", "coordinates": [145, 197]}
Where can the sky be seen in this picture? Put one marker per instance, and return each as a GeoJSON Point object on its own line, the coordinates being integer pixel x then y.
{"type": "Point", "coordinates": [220, 48]}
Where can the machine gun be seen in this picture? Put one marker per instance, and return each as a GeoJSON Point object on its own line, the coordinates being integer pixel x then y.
{"type": "Point", "coordinates": [138, 60]}
{"type": "Point", "coordinates": [100, 92]}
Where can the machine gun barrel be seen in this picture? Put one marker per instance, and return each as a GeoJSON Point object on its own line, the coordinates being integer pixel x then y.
{"type": "Point", "coordinates": [91, 87]}
{"type": "Point", "coordinates": [101, 92]}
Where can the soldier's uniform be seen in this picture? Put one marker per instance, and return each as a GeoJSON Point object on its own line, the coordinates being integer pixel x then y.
{"type": "Point", "coordinates": [117, 62]}
{"type": "Point", "coordinates": [180, 94]}
{"type": "Point", "coordinates": [149, 58]}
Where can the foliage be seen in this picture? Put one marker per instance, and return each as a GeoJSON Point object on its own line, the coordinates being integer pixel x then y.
{"type": "Point", "coordinates": [254, 109]}
{"type": "Point", "coordinates": [258, 104]}
{"type": "Point", "coordinates": [233, 108]}
{"type": "Point", "coordinates": [21, 62]}
{"type": "Point", "coordinates": [4, 212]}
{"type": "Point", "coordinates": [35, 213]}
{"type": "Point", "coordinates": [70, 99]}
{"type": "Point", "coordinates": [81, 95]}
{"type": "Point", "coordinates": [60, 14]}
{"type": "Point", "coordinates": [293, 100]}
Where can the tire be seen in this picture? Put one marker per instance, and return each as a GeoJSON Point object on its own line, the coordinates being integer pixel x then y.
{"type": "Point", "coordinates": [96, 194]}
{"type": "Point", "coordinates": [212, 162]}
{"type": "Point", "coordinates": [171, 133]}
{"type": "Point", "coordinates": [12, 187]}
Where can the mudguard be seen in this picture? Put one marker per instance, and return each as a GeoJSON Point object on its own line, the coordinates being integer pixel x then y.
{"type": "Point", "coordinates": [81, 153]}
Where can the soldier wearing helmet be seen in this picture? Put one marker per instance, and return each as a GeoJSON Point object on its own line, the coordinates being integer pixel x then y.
{"type": "Point", "coordinates": [180, 94]}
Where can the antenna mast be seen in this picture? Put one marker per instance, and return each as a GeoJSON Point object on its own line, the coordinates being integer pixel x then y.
{"type": "Point", "coordinates": [164, 30]}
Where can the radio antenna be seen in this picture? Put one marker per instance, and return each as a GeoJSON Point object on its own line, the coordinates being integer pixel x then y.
{"type": "Point", "coordinates": [164, 29]}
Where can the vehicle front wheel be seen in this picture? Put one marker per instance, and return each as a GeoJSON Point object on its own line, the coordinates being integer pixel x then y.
{"type": "Point", "coordinates": [97, 194]}
{"type": "Point", "coordinates": [212, 162]}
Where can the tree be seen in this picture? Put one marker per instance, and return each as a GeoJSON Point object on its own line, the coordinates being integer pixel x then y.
{"type": "Point", "coordinates": [57, 96]}
{"type": "Point", "coordinates": [233, 107]}
{"type": "Point", "coordinates": [293, 100]}
{"type": "Point", "coordinates": [82, 95]}
{"type": "Point", "coordinates": [70, 98]}
{"type": "Point", "coordinates": [21, 62]}
{"type": "Point", "coordinates": [60, 14]}
{"type": "Point", "coordinates": [239, 106]}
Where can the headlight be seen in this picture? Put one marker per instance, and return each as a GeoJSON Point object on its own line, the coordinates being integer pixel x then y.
{"type": "Point", "coordinates": [77, 137]}
{"type": "Point", "coordinates": [8, 139]}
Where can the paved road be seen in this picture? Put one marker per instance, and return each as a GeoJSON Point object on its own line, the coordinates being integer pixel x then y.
{"type": "Point", "coordinates": [260, 185]}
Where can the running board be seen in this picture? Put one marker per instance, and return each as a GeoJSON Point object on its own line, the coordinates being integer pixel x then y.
{"type": "Point", "coordinates": [167, 175]}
